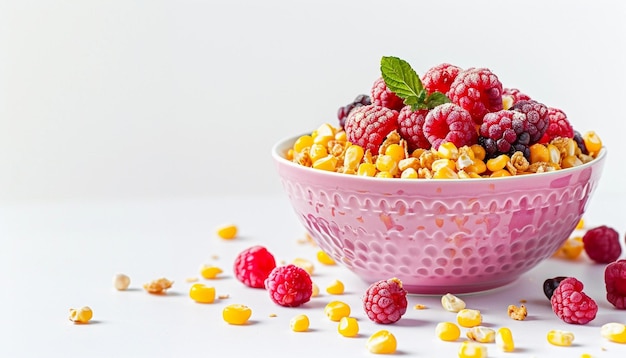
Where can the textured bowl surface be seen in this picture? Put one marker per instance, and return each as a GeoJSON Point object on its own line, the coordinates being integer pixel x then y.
{"type": "Point", "coordinates": [438, 236]}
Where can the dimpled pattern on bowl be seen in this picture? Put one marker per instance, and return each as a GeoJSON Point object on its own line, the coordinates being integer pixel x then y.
{"type": "Point", "coordinates": [439, 236]}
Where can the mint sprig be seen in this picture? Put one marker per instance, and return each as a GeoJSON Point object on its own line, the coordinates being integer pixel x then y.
{"type": "Point", "coordinates": [402, 80]}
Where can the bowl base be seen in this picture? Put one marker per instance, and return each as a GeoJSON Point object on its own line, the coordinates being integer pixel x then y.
{"type": "Point", "coordinates": [458, 289]}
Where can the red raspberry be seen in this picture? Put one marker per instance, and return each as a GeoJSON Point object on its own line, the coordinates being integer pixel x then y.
{"type": "Point", "coordinates": [558, 126]}
{"type": "Point", "coordinates": [615, 281]}
{"type": "Point", "coordinates": [571, 304]}
{"type": "Point", "coordinates": [253, 265]}
{"type": "Point", "coordinates": [449, 123]}
{"type": "Point", "coordinates": [385, 301]}
{"type": "Point", "coordinates": [504, 132]}
{"type": "Point", "coordinates": [368, 126]}
{"type": "Point", "coordinates": [536, 118]}
{"type": "Point", "coordinates": [602, 244]}
{"type": "Point", "coordinates": [478, 90]}
{"type": "Point", "coordinates": [289, 285]}
{"type": "Point", "coordinates": [515, 94]}
{"type": "Point", "coordinates": [440, 77]}
{"type": "Point", "coordinates": [411, 127]}
{"type": "Point", "coordinates": [382, 96]}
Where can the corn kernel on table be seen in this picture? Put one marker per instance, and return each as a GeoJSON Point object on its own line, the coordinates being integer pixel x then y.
{"type": "Point", "coordinates": [59, 256]}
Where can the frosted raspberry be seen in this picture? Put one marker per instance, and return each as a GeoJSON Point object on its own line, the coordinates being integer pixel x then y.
{"type": "Point", "coordinates": [571, 304]}
{"type": "Point", "coordinates": [253, 265]}
{"type": "Point", "coordinates": [504, 132]}
{"type": "Point", "coordinates": [384, 97]}
{"type": "Point", "coordinates": [477, 90]}
{"type": "Point", "coordinates": [289, 285]}
{"type": "Point", "coordinates": [515, 94]}
{"type": "Point", "coordinates": [536, 118]}
{"type": "Point", "coordinates": [615, 281]}
{"type": "Point", "coordinates": [411, 127]}
{"type": "Point", "coordinates": [558, 126]}
{"type": "Point", "coordinates": [368, 126]}
{"type": "Point", "coordinates": [342, 112]}
{"type": "Point", "coordinates": [449, 123]}
{"type": "Point", "coordinates": [440, 77]}
{"type": "Point", "coordinates": [385, 301]}
{"type": "Point", "coordinates": [602, 244]}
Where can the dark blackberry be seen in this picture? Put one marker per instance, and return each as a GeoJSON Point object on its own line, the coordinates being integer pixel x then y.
{"type": "Point", "coordinates": [360, 100]}
{"type": "Point", "coordinates": [551, 284]}
{"type": "Point", "coordinates": [536, 116]}
{"type": "Point", "coordinates": [504, 132]}
{"type": "Point", "coordinates": [581, 142]}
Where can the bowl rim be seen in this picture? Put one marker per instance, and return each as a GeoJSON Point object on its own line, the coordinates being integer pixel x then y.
{"type": "Point", "coordinates": [285, 143]}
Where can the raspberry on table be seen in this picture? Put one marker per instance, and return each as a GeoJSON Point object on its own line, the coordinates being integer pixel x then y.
{"type": "Point", "coordinates": [440, 77]}
{"type": "Point", "coordinates": [515, 94]}
{"type": "Point", "coordinates": [615, 282]}
{"type": "Point", "coordinates": [449, 122]}
{"type": "Point", "coordinates": [602, 244]}
{"type": "Point", "coordinates": [253, 265]}
{"type": "Point", "coordinates": [411, 127]}
{"type": "Point", "coordinates": [478, 90]}
{"type": "Point", "coordinates": [385, 301]}
{"type": "Point", "coordinates": [342, 112]}
{"type": "Point", "coordinates": [571, 304]}
{"type": "Point", "coordinates": [504, 132]}
{"type": "Point", "coordinates": [368, 126]}
{"type": "Point", "coordinates": [382, 96]}
{"type": "Point", "coordinates": [536, 118]}
{"type": "Point", "coordinates": [289, 285]}
{"type": "Point", "coordinates": [549, 285]}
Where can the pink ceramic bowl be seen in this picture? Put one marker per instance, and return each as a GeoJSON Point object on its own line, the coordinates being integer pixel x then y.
{"type": "Point", "coordinates": [438, 236]}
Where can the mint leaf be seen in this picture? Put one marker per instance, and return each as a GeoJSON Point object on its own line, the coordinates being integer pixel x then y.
{"type": "Point", "coordinates": [435, 99]}
{"type": "Point", "coordinates": [400, 78]}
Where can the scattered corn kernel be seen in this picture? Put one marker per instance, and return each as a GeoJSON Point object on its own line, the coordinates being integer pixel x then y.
{"type": "Point", "coordinates": [419, 306]}
{"type": "Point", "coordinates": [335, 288]}
{"type": "Point", "coordinates": [299, 323]}
{"type": "Point", "coordinates": [586, 355]}
{"type": "Point", "coordinates": [315, 291]}
{"type": "Point", "coordinates": [593, 143]}
{"type": "Point", "coordinates": [481, 334]}
{"type": "Point", "coordinates": [210, 272]}
{"type": "Point", "coordinates": [304, 264]}
{"type": "Point", "coordinates": [81, 315]}
{"type": "Point", "coordinates": [504, 340]}
{"type": "Point", "coordinates": [227, 232]}
{"type": "Point", "coordinates": [236, 314]}
{"type": "Point", "coordinates": [121, 282]}
{"type": "Point", "coordinates": [469, 318]}
{"type": "Point", "coordinates": [571, 248]}
{"type": "Point", "coordinates": [348, 327]}
{"type": "Point", "coordinates": [452, 303]}
{"type": "Point", "coordinates": [447, 331]}
{"type": "Point", "coordinates": [382, 342]}
{"type": "Point", "coordinates": [324, 258]}
{"type": "Point", "coordinates": [614, 332]}
{"type": "Point", "coordinates": [158, 286]}
{"type": "Point", "coordinates": [560, 338]}
{"type": "Point", "coordinates": [581, 224]}
{"type": "Point", "coordinates": [191, 279]}
{"type": "Point", "coordinates": [335, 310]}
{"type": "Point", "coordinates": [471, 349]}
{"type": "Point", "coordinates": [202, 293]}
{"type": "Point", "coordinates": [517, 313]}
{"type": "Point", "coordinates": [223, 296]}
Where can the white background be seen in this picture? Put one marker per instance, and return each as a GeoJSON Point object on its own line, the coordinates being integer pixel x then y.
{"type": "Point", "coordinates": [155, 98]}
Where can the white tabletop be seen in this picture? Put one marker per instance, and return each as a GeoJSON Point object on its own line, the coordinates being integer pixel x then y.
{"type": "Point", "coordinates": [57, 256]}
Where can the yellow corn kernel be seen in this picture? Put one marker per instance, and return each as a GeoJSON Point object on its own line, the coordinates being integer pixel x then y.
{"type": "Point", "coordinates": [539, 153]}
{"type": "Point", "coordinates": [386, 175]}
{"type": "Point", "coordinates": [328, 163]}
{"type": "Point", "coordinates": [445, 173]}
{"type": "Point", "coordinates": [210, 272]}
{"type": "Point", "coordinates": [417, 152]}
{"type": "Point", "coordinates": [348, 327]}
{"type": "Point", "coordinates": [586, 355]}
{"type": "Point", "coordinates": [614, 332]}
{"type": "Point", "coordinates": [471, 349]}
{"type": "Point", "coordinates": [335, 288]}
{"type": "Point", "coordinates": [447, 331]}
{"type": "Point", "coordinates": [353, 156]}
{"type": "Point", "coordinates": [481, 334]}
{"type": "Point", "coordinates": [469, 318]}
{"type": "Point", "coordinates": [479, 151]}
{"type": "Point", "coordinates": [317, 151]}
{"type": "Point", "coordinates": [443, 163]}
{"type": "Point", "coordinates": [81, 315]}
{"type": "Point", "coordinates": [500, 173]}
{"type": "Point", "coordinates": [323, 139]}
{"type": "Point", "coordinates": [121, 282]}
{"type": "Point", "coordinates": [554, 154]}
{"type": "Point", "coordinates": [325, 130]}
{"type": "Point", "coordinates": [507, 101]}
{"type": "Point", "coordinates": [335, 310]}
{"type": "Point", "coordinates": [464, 161]}
{"type": "Point", "coordinates": [340, 136]}
{"type": "Point", "coordinates": [448, 150]}
{"type": "Point", "coordinates": [367, 170]}
{"type": "Point", "coordinates": [560, 338]}
{"type": "Point", "coordinates": [409, 173]}
{"type": "Point", "coordinates": [227, 232]}
{"type": "Point", "coordinates": [324, 258]}
{"type": "Point", "coordinates": [236, 314]}
{"type": "Point", "coordinates": [315, 290]}
{"type": "Point", "coordinates": [504, 340]}
{"type": "Point", "coordinates": [290, 154]}
{"type": "Point", "coordinates": [386, 163]}
{"type": "Point", "coordinates": [396, 151]}
{"type": "Point", "coordinates": [570, 161]}
{"type": "Point", "coordinates": [572, 248]}
{"type": "Point", "coordinates": [202, 293]}
{"type": "Point", "coordinates": [477, 166]}
{"type": "Point", "coordinates": [299, 323]}
{"type": "Point", "coordinates": [304, 264]}
{"type": "Point", "coordinates": [581, 224]}
{"type": "Point", "coordinates": [593, 143]}
{"type": "Point", "coordinates": [305, 141]}
{"type": "Point", "coordinates": [382, 342]}
{"type": "Point", "coordinates": [498, 163]}
{"type": "Point", "coordinates": [451, 303]}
